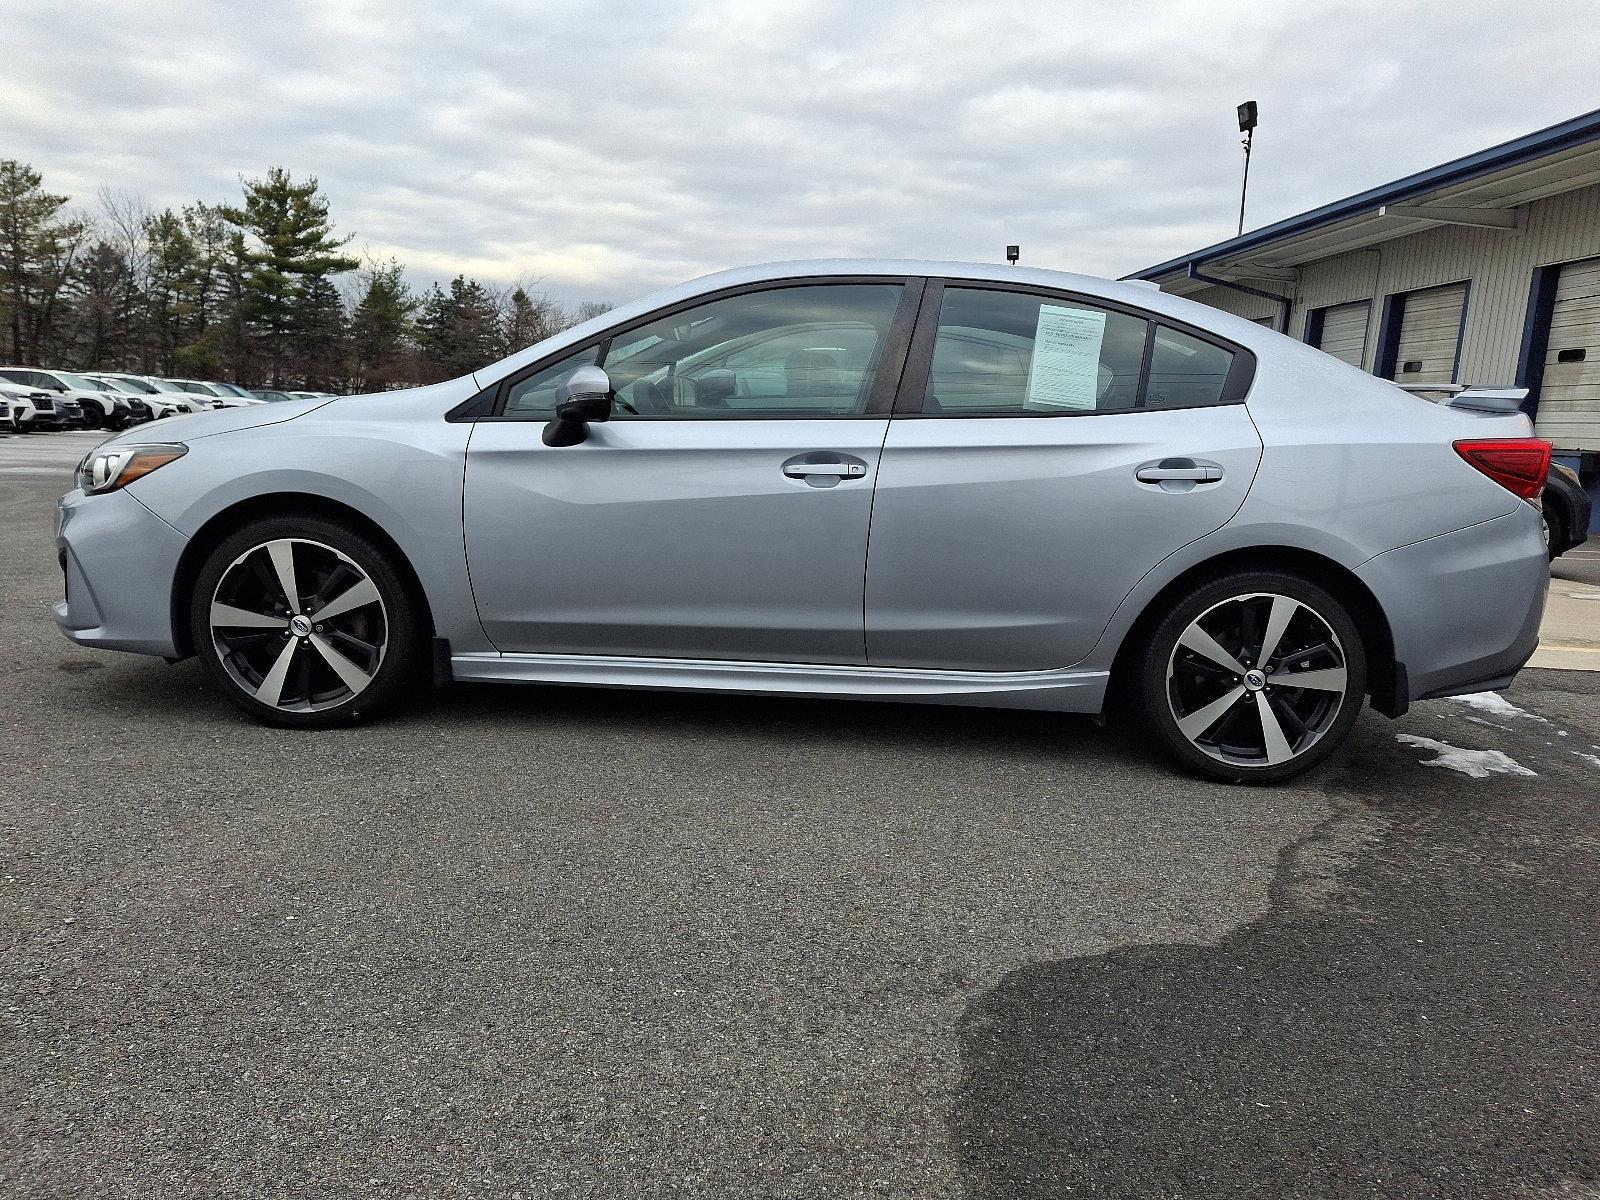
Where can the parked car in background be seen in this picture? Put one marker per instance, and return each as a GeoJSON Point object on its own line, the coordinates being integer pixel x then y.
{"type": "Point", "coordinates": [52, 411]}
{"type": "Point", "coordinates": [1082, 495]}
{"type": "Point", "coordinates": [23, 406]}
{"type": "Point", "coordinates": [136, 407]}
{"type": "Point", "coordinates": [78, 403]}
{"type": "Point", "coordinates": [234, 390]}
{"type": "Point", "coordinates": [209, 397]}
{"type": "Point", "coordinates": [271, 396]}
{"type": "Point", "coordinates": [219, 395]}
{"type": "Point", "coordinates": [1567, 510]}
{"type": "Point", "coordinates": [311, 395]}
{"type": "Point", "coordinates": [165, 399]}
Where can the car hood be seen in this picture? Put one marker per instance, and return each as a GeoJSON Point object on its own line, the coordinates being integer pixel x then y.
{"type": "Point", "coordinates": [188, 427]}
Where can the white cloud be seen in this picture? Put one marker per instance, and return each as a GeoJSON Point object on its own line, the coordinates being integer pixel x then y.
{"type": "Point", "coordinates": [615, 147]}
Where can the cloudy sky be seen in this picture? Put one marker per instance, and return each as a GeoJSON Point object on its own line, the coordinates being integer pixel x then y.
{"type": "Point", "coordinates": [612, 147]}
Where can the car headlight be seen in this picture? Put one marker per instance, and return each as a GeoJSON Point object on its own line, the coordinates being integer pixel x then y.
{"type": "Point", "coordinates": [108, 470]}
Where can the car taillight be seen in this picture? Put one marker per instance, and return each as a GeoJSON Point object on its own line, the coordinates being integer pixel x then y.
{"type": "Point", "coordinates": [1517, 464]}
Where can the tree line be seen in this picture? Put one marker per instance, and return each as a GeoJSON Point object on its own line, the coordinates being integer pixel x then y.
{"type": "Point", "coordinates": [262, 292]}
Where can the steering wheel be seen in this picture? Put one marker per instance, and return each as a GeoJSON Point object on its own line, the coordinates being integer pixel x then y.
{"type": "Point", "coordinates": [647, 399]}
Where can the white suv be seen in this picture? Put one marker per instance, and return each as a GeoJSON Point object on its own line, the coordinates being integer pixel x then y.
{"type": "Point", "coordinates": [100, 410]}
{"type": "Point", "coordinates": [22, 412]}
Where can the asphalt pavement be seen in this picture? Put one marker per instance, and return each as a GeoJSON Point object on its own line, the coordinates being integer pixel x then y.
{"type": "Point", "coordinates": [546, 942]}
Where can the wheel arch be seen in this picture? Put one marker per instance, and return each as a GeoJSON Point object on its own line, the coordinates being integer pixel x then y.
{"type": "Point", "coordinates": [1385, 677]}
{"type": "Point", "coordinates": [236, 516]}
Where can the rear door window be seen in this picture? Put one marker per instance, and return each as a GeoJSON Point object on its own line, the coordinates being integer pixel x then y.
{"type": "Point", "coordinates": [1015, 354]}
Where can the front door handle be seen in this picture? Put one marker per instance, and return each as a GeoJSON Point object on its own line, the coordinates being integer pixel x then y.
{"type": "Point", "coordinates": [824, 470]}
{"type": "Point", "coordinates": [1178, 474]}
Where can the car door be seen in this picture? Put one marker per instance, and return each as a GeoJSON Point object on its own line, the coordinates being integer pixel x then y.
{"type": "Point", "coordinates": [722, 512]}
{"type": "Point", "coordinates": [1046, 451]}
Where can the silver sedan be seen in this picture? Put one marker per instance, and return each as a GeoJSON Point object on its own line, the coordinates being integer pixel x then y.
{"type": "Point", "coordinates": [914, 481]}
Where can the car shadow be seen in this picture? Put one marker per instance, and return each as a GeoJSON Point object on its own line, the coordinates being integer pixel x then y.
{"type": "Point", "coordinates": [1416, 1015]}
{"type": "Point", "coordinates": [119, 689]}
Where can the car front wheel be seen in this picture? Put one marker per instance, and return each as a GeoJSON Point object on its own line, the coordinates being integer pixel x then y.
{"type": "Point", "coordinates": [306, 622]}
{"type": "Point", "coordinates": [1253, 678]}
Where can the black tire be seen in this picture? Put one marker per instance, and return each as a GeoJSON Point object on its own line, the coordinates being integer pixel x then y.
{"type": "Point", "coordinates": [1223, 749]}
{"type": "Point", "coordinates": [402, 656]}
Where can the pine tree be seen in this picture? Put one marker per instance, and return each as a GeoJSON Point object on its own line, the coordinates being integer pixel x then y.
{"type": "Point", "coordinates": [321, 335]}
{"type": "Point", "coordinates": [38, 246]}
{"type": "Point", "coordinates": [381, 327]}
{"type": "Point", "coordinates": [476, 327]}
{"type": "Point", "coordinates": [103, 320]}
{"type": "Point", "coordinates": [289, 244]}
{"type": "Point", "coordinates": [169, 288]}
{"type": "Point", "coordinates": [528, 320]}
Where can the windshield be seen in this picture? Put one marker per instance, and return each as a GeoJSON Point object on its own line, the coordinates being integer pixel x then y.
{"type": "Point", "coordinates": [76, 382]}
{"type": "Point", "coordinates": [161, 385]}
{"type": "Point", "coordinates": [126, 383]}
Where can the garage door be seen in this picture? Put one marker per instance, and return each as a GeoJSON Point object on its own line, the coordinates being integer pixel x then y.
{"type": "Point", "coordinates": [1430, 332]}
{"type": "Point", "coordinates": [1569, 398]}
{"type": "Point", "coordinates": [1344, 332]}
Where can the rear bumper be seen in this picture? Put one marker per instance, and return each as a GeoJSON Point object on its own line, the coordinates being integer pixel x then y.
{"type": "Point", "coordinates": [119, 560]}
{"type": "Point", "coordinates": [1464, 608]}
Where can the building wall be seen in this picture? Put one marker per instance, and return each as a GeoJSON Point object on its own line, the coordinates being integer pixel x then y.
{"type": "Point", "coordinates": [1499, 264]}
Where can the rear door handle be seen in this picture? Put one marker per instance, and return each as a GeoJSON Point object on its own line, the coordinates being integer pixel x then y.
{"type": "Point", "coordinates": [821, 470]}
{"type": "Point", "coordinates": [1198, 474]}
{"type": "Point", "coordinates": [1179, 469]}
{"type": "Point", "coordinates": [1178, 474]}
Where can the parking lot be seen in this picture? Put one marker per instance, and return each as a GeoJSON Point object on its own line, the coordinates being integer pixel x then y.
{"type": "Point", "coordinates": [559, 942]}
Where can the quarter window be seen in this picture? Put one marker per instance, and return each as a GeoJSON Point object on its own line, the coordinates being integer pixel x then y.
{"type": "Point", "coordinates": [1185, 372]}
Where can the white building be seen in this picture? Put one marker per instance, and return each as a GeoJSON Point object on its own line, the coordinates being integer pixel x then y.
{"type": "Point", "coordinates": [1485, 270]}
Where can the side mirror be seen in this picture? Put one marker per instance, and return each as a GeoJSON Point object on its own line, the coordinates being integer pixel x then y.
{"type": "Point", "coordinates": [584, 397]}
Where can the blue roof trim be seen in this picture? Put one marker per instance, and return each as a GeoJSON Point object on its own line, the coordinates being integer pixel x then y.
{"type": "Point", "coordinates": [1524, 149]}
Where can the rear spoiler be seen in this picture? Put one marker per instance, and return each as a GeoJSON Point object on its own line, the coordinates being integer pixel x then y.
{"type": "Point", "coordinates": [1473, 399]}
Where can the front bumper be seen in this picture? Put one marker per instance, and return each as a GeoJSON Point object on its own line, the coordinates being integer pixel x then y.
{"type": "Point", "coordinates": [119, 560]}
{"type": "Point", "coordinates": [1464, 607]}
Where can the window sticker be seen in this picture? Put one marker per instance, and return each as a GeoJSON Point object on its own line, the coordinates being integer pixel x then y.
{"type": "Point", "coordinates": [1066, 359]}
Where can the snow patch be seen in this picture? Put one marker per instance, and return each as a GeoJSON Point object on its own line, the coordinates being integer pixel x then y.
{"type": "Point", "coordinates": [1494, 702]}
{"type": "Point", "coordinates": [1592, 759]}
{"type": "Point", "coordinates": [1478, 764]}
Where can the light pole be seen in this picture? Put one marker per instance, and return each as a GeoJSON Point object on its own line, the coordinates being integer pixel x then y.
{"type": "Point", "coordinates": [1247, 126]}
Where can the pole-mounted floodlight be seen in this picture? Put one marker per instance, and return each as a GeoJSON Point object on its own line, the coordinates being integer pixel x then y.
{"type": "Point", "coordinates": [1247, 126]}
{"type": "Point", "coordinates": [1013, 253]}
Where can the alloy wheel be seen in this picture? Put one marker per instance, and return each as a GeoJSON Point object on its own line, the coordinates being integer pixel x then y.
{"type": "Point", "coordinates": [298, 625]}
{"type": "Point", "coordinates": [1256, 680]}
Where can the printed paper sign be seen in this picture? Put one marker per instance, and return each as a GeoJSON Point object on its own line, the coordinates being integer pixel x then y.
{"type": "Point", "coordinates": [1066, 359]}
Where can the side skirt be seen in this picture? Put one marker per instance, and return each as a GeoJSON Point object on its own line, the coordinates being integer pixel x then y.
{"type": "Point", "coordinates": [1072, 690]}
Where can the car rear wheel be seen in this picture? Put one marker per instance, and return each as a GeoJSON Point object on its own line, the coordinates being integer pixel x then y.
{"type": "Point", "coordinates": [1253, 678]}
{"type": "Point", "coordinates": [306, 622]}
